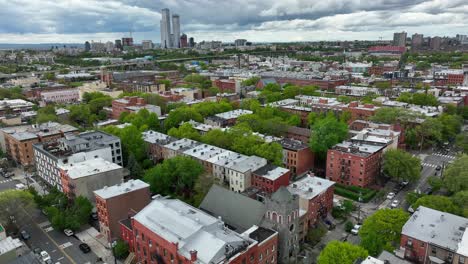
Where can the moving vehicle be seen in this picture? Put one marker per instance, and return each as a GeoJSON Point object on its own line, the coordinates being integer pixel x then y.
{"type": "Point", "coordinates": [438, 168]}
{"type": "Point", "coordinates": [25, 235]}
{"type": "Point", "coordinates": [20, 186]}
{"type": "Point", "coordinates": [84, 248]}
{"type": "Point", "coordinates": [355, 229]}
{"type": "Point", "coordinates": [390, 195]}
{"type": "Point", "coordinates": [394, 203]}
{"type": "Point", "coordinates": [68, 232]}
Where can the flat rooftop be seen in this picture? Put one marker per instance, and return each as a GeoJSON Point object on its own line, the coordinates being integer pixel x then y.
{"type": "Point", "coordinates": [192, 229]}
{"type": "Point", "coordinates": [89, 167]}
{"type": "Point", "coordinates": [271, 172]}
{"type": "Point", "coordinates": [155, 137]}
{"type": "Point", "coordinates": [234, 114]}
{"type": "Point", "coordinates": [204, 151]}
{"type": "Point", "coordinates": [438, 228]}
{"type": "Point", "coordinates": [119, 189]}
{"type": "Point", "coordinates": [293, 144]}
{"type": "Point", "coordinates": [360, 149]}
{"type": "Point", "coordinates": [252, 163]}
{"type": "Point", "coordinates": [182, 144]}
{"type": "Point", "coordinates": [309, 186]}
{"type": "Point", "coordinates": [33, 131]}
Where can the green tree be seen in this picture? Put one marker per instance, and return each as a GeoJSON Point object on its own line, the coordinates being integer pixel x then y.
{"type": "Point", "coordinates": [460, 199]}
{"type": "Point", "coordinates": [337, 252]}
{"type": "Point", "coordinates": [326, 133]}
{"type": "Point", "coordinates": [291, 91]}
{"type": "Point", "coordinates": [217, 137]}
{"type": "Point", "coordinates": [430, 131]}
{"type": "Point", "coordinates": [412, 197]}
{"type": "Point", "coordinates": [436, 183]}
{"type": "Point", "coordinates": [15, 203]}
{"type": "Point", "coordinates": [251, 81]}
{"type": "Point", "coordinates": [382, 230]}
{"type": "Point", "coordinates": [136, 172]}
{"type": "Point", "coordinates": [273, 152]}
{"type": "Point", "coordinates": [182, 114]}
{"type": "Point", "coordinates": [462, 142]}
{"type": "Point", "coordinates": [186, 130]}
{"type": "Point", "coordinates": [121, 249]}
{"type": "Point", "coordinates": [456, 175]}
{"type": "Point", "coordinates": [46, 114]}
{"type": "Point", "coordinates": [174, 176]}
{"type": "Point", "coordinates": [437, 202]}
{"type": "Point", "coordinates": [401, 165]}
{"type": "Point", "coordinates": [451, 126]}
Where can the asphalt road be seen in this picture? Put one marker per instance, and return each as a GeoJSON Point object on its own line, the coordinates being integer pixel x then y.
{"type": "Point", "coordinates": [61, 248]}
{"type": "Point", "coordinates": [6, 184]}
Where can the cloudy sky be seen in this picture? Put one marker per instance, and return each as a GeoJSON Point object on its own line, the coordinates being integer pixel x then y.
{"type": "Point", "coordinates": [72, 21]}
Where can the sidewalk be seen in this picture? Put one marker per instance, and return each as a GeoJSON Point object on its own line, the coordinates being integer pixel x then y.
{"type": "Point", "coordinates": [97, 243]}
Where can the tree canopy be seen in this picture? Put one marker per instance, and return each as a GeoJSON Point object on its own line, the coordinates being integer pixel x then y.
{"type": "Point", "coordinates": [174, 176]}
{"type": "Point", "coordinates": [382, 230]}
{"type": "Point", "coordinates": [326, 133]}
{"type": "Point", "coordinates": [182, 114]}
{"type": "Point", "coordinates": [437, 202]}
{"type": "Point", "coordinates": [14, 203]}
{"type": "Point", "coordinates": [337, 252]}
{"type": "Point", "coordinates": [186, 130]}
{"type": "Point", "coordinates": [401, 165]}
{"type": "Point", "coordinates": [456, 175]}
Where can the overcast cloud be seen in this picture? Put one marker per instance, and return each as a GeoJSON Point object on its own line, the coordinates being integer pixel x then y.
{"type": "Point", "coordinates": [41, 21]}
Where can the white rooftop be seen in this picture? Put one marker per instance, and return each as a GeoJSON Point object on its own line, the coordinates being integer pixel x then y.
{"type": "Point", "coordinates": [181, 143]}
{"type": "Point", "coordinates": [8, 244]}
{"type": "Point", "coordinates": [191, 229]}
{"type": "Point", "coordinates": [372, 260]}
{"type": "Point", "coordinates": [309, 186]}
{"type": "Point", "coordinates": [274, 173]}
{"type": "Point", "coordinates": [119, 189]}
{"type": "Point", "coordinates": [252, 163]}
{"type": "Point", "coordinates": [151, 136]}
{"type": "Point", "coordinates": [438, 228]}
{"type": "Point", "coordinates": [89, 167]}
{"type": "Point", "coordinates": [234, 114]}
{"type": "Point", "coordinates": [204, 151]}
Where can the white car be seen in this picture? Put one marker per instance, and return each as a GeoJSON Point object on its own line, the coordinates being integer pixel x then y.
{"type": "Point", "coordinates": [390, 195]}
{"type": "Point", "coordinates": [68, 232]}
{"type": "Point", "coordinates": [394, 204]}
{"type": "Point", "coordinates": [20, 186]}
{"type": "Point", "coordinates": [45, 256]}
{"type": "Point", "coordinates": [355, 229]}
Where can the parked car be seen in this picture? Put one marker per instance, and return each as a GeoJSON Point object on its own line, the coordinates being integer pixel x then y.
{"type": "Point", "coordinates": [68, 232]}
{"type": "Point", "coordinates": [390, 195]}
{"type": "Point", "coordinates": [20, 186]}
{"type": "Point", "coordinates": [84, 248]}
{"type": "Point", "coordinates": [94, 216]}
{"type": "Point", "coordinates": [25, 235]}
{"type": "Point", "coordinates": [438, 168]}
{"type": "Point", "coordinates": [428, 190]}
{"type": "Point", "coordinates": [394, 203]}
{"type": "Point", "coordinates": [37, 250]}
{"type": "Point", "coordinates": [355, 229]}
{"type": "Point", "coordinates": [45, 256]}
{"type": "Point", "coordinates": [404, 183]}
{"type": "Point", "coordinates": [8, 174]}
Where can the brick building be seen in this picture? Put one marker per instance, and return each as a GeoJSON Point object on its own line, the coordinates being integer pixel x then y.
{"type": "Point", "coordinates": [82, 178]}
{"type": "Point", "coordinates": [62, 96]}
{"type": "Point", "coordinates": [227, 118]}
{"type": "Point", "coordinates": [270, 178]}
{"type": "Point", "coordinates": [120, 105]}
{"type": "Point", "coordinates": [226, 85]}
{"type": "Point", "coordinates": [116, 202]}
{"type": "Point", "coordinates": [17, 142]}
{"type": "Point", "coordinates": [315, 197]}
{"type": "Point", "coordinates": [155, 142]}
{"type": "Point", "coordinates": [297, 156]}
{"type": "Point", "coordinates": [171, 231]}
{"type": "Point", "coordinates": [432, 236]}
{"type": "Point", "coordinates": [299, 133]}
{"type": "Point", "coordinates": [354, 164]}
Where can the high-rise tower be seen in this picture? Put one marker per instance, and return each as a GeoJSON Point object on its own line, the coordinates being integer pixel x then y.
{"type": "Point", "coordinates": [165, 28]}
{"type": "Point", "coordinates": [176, 30]}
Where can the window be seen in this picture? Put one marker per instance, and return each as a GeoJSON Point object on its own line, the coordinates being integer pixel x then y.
{"type": "Point", "coordinates": [433, 250]}
{"type": "Point", "coordinates": [260, 257]}
{"type": "Point", "coordinates": [273, 248]}
{"type": "Point", "coordinates": [461, 260]}
{"type": "Point", "coordinates": [142, 236]}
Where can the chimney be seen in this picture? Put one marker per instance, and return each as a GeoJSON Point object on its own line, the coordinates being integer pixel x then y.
{"type": "Point", "coordinates": [193, 255]}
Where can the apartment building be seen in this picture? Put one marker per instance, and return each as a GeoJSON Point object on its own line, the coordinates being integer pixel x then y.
{"type": "Point", "coordinates": [82, 178]}
{"type": "Point", "coordinates": [117, 202]}
{"type": "Point", "coordinates": [72, 149]}
{"type": "Point", "coordinates": [227, 118]}
{"type": "Point", "coordinates": [171, 231]}
{"type": "Point", "coordinates": [432, 236]}
{"type": "Point", "coordinates": [270, 178]}
{"type": "Point", "coordinates": [240, 173]}
{"type": "Point", "coordinates": [18, 141]}
{"type": "Point", "coordinates": [354, 164]}
{"type": "Point", "coordinates": [315, 197]}
{"type": "Point", "coordinates": [155, 142]}
{"type": "Point", "coordinates": [14, 106]}
{"type": "Point", "coordinates": [297, 156]}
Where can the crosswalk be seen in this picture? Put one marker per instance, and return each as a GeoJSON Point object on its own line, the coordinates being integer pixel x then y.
{"type": "Point", "coordinates": [65, 245]}
{"type": "Point", "coordinates": [429, 165]}
{"type": "Point", "coordinates": [444, 156]}
{"type": "Point", "coordinates": [5, 181]}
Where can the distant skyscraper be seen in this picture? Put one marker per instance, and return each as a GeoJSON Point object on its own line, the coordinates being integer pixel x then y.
{"type": "Point", "coordinates": [183, 41]}
{"type": "Point", "coordinates": [165, 29]}
{"type": "Point", "coordinates": [240, 42]}
{"type": "Point", "coordinates": [435, 43]}
{"type": "Point", "coordinates": [118, 44]}
{"type": "Point", "coordinates": [127, 42]}
{"type": "Point", "coordinates": [399, 39]}
{"type": "Point", "coordinates": [417, 40]}
{"type": "Point", "coordinates": [146, 44]}
{"type": "Point", "coordinates": [176, 31]}
{"type": "Point", "coordinates": [87, 46]}
{"type": "Point", "coordinates": [191, 42]}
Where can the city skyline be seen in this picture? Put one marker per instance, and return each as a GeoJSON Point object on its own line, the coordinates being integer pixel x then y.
{"type": "Point", "coordinates": [261, 21]}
